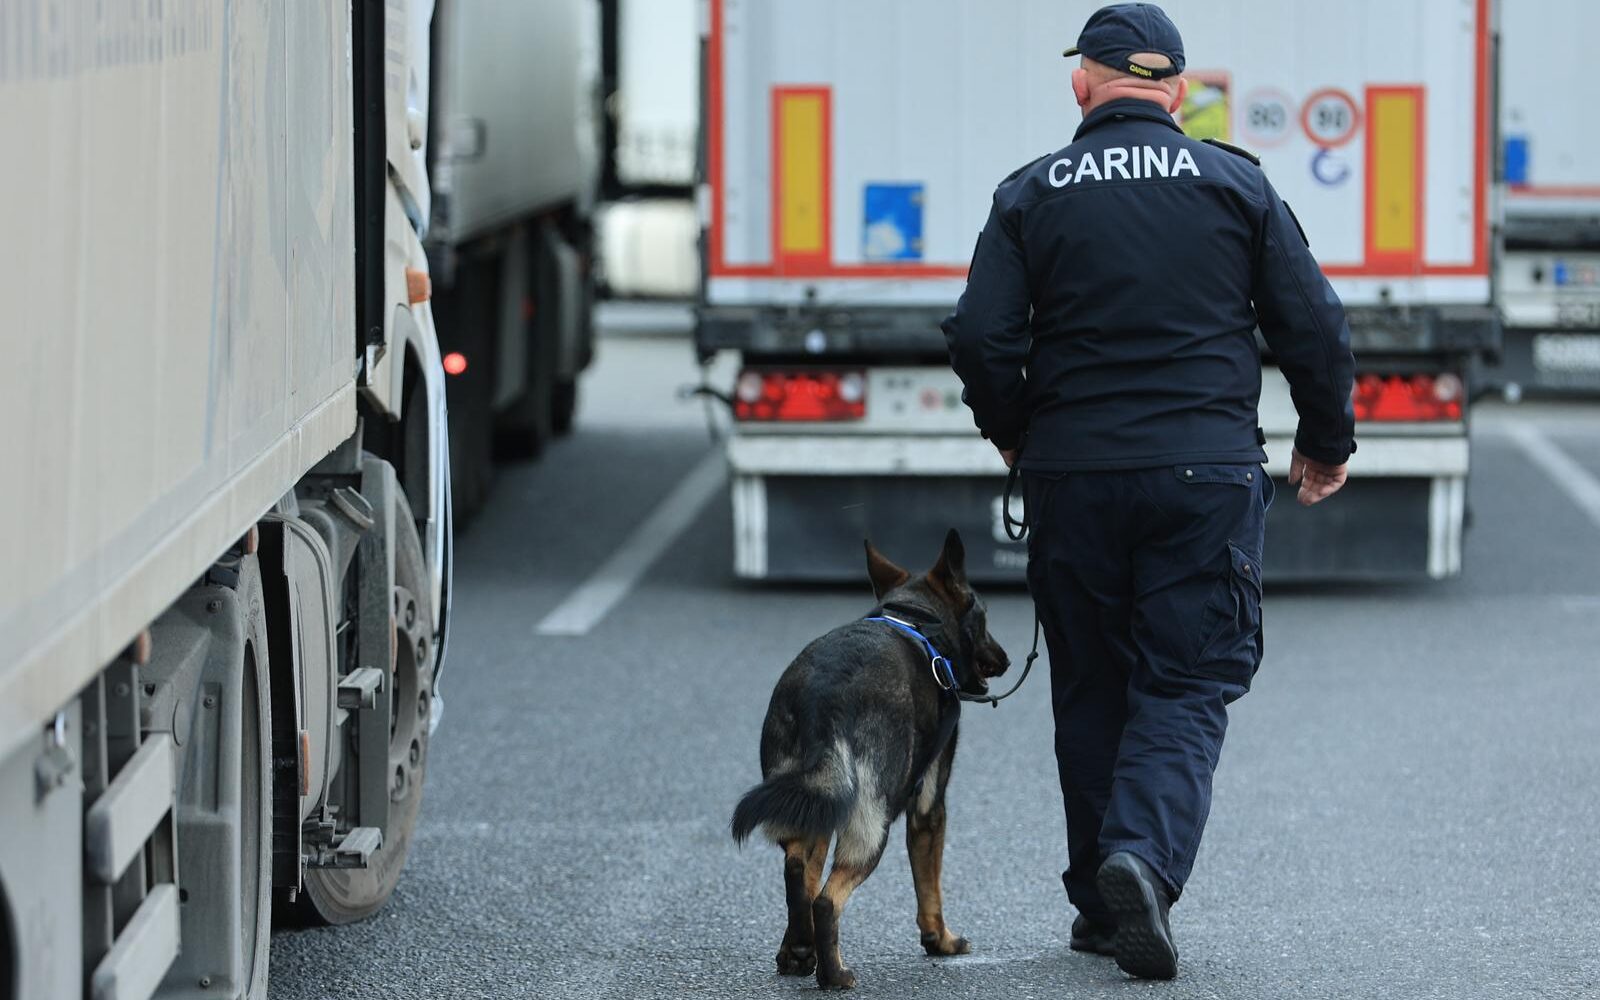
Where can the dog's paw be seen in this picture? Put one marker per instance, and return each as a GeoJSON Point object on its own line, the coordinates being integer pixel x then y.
{"type": "Point", "coordinates": [797, 960]}
{"type": "Point", "coordinates": [944, 943]}
{"type": "Point", "coordinates": [840, 979]}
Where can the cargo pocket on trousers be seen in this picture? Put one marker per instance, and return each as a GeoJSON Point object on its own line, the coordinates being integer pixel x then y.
{"type": "Point", "coordinates": [1232, 651]}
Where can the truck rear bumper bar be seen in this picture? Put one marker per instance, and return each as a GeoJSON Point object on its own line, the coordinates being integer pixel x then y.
{"type": "Point", "coordinates": [802, 504]}
{"type": "Point", "coordinates": [847, 455]}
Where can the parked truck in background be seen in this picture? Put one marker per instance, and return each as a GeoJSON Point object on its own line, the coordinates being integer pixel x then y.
{"type": "Point", "coordinates": [1550, 274]}
{"type": "Point", "coordinates": [650, 59]}
{"type": "Point", "coordinates": [226, 516]}
{"type": "Point", "coordinates": [850, 157]}
{"type": "Point", "coordinates": [515, 164]}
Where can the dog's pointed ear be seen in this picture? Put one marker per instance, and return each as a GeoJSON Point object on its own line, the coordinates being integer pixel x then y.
{"type": "Point", "coordinates": [885, 575]}
{"type": "Point", "coordinates": [952, 565]}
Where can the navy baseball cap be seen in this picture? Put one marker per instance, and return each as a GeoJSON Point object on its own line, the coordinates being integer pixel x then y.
{"type": "Point", "coordinates": [1116, 33]}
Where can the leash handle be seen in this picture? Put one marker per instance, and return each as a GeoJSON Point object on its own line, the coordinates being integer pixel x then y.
{"type": "Point", "coordinates": [1016, 529]}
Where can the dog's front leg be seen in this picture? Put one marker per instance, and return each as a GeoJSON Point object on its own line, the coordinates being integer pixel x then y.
{"type": "Point", "coordinates": [925, 844]}
{"type": "Point", "coordinates": [802, 880]}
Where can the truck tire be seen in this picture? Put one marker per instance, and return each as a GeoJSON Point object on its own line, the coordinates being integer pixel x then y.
{"type": "Point", "coordinates": [342, 896]}
{"type": "Point", "coordinates": [564, 406]}
{"type": "Point", "coordinates": [464, 316]}
{"type": "Point", "coordinates": [524, 428]}
{"type": "Point", "coordinates": [213, 650]}
{"type": "Point", "coordinates": [255, 839]}
{"type": "Point", "coordinates": [8, 960]}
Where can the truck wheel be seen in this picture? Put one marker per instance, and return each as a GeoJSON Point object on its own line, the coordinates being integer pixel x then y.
{"type": "Point", "coordinates": [564, 405]}
{"type": "Point", "coordinates": [212, 652]}
{"type": "Point", "coordinates": [465, 317]}
{"type": "Point", "coordinates": [255, 838]}
{"type": "Point", "coordinates": [342, 896]}
{"type": "Point", "coordinates": [524, 428]}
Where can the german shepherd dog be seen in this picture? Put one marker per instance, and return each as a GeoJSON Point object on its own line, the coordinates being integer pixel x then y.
{"type": "Point", "coordinates": [862, 728]}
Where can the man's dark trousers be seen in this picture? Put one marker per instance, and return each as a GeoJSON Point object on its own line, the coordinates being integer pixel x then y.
{"type": "Point", "coordinates": [1147, 582]}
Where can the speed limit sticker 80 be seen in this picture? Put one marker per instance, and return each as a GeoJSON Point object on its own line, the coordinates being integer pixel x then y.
{"type": "Point", "coordinates": [1330, 117]}
{"type": "Point", "coordinates": [1268, 118]}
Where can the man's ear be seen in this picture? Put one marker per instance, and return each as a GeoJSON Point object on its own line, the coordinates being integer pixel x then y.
{"type": "Point", "coordinates": [951, 569]}
{"type": "Point", "coordinates": [1080, 86]}
{"type": "Point", "coordinates": [1182, 95]}
{"type": "Point", "coordinates": [885, 575]}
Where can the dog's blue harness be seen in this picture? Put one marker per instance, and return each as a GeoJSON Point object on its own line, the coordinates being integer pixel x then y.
{"type": "Point", "coordinates": [944, 673]}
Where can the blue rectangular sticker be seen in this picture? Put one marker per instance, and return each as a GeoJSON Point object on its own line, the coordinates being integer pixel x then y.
{"type": "Point", "coordinates": [1516, 159]}
{"type": "Point", "coordinates": [891, 225]}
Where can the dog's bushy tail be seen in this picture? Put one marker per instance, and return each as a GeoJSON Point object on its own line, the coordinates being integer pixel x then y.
{"type": "Point", "coordinates": [813, 800]}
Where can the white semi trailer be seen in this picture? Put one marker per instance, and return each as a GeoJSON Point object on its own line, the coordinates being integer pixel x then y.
{"type": "Point", "coordinates": [1550, 274]}
{"type": "Point", "coordinates": [851, 151]}
{"type": "Point", "coordinates": [225, 522]}
{"type": "Point", "coordinates": [515, 168]}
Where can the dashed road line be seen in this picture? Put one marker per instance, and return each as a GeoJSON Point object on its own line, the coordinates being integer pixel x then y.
{"type": "Point", "coordinates": [613, 579]}
{"type": "Point", "coordinates": [1578, 483]}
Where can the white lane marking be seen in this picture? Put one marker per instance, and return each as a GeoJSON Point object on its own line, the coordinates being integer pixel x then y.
{"type": "Point", "coordinates": [1578, 483]}
{"type": "Point", "coordinates": [620, 573]}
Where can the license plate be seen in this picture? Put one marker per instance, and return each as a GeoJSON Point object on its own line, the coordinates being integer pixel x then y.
{"type": "Point", "coordinates": [1577, 312]}
{"type": "Point", "coordinates": [1567, 352]}
{"type": "Point", "coordinates": [1575, 274]}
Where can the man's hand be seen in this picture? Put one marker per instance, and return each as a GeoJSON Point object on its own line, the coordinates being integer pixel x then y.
{"type": "Point", "coordinates": [1009, 456]}
{"type": "Point", "coordinates": [1317, 481]}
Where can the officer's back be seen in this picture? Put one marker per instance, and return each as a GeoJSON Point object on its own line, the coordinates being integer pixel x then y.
{"type": "Point", "coordinates": [1141, 251]}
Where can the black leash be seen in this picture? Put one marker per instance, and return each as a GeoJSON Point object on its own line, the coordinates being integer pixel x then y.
{"type": "Point", "coordinates": [1016, 530]}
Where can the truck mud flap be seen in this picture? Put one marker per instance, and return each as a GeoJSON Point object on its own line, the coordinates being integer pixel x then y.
{"type": "Point", "coordinates": [1376, 528]}
{"type": "Point", "coordinates": [809, 528]}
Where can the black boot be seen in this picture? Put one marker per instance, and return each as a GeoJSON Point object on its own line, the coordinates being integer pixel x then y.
{"type": "Point", "coordinates": [1092, 934]}
{"type": "Point", "coordinates": [1138, 899]}
{"type": "Point", "coordinates": [1097, 936]}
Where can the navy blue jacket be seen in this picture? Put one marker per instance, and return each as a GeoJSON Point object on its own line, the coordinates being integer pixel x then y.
{"type": "Point", "coordinates": [1112, 302]}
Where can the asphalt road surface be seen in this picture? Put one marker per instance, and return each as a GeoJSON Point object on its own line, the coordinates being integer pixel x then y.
{"type": "Point", "coordinates": [1407, 804]}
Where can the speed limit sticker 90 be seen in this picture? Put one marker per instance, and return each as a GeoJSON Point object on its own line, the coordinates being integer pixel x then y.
{"type": "Point", "coordinates": [1267, 119]}
{"type": "Point", "coordinates": [1329, 117]}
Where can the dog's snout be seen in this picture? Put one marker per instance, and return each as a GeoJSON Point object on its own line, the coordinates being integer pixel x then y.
{"type": "Point", "coordinates": [997, 661]}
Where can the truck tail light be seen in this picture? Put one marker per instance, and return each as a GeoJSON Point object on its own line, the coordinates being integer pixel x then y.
{"type": "Point", "coordinates": [1408, 398]}
{"type": "Point", "coordinates": [768, 395]}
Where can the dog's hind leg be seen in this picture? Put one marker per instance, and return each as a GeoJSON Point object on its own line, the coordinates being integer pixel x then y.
{"type": "Point", "coordinates": [802, 880]}
{"type": "Point", "coordinates": [855, 858]}
{"type": "Point", "coordinates": [925, 844]}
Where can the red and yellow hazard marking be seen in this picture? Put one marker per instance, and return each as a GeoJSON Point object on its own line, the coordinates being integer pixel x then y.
{"type": "Point", "coordinates": [1395, 155]}
{"type": "Point", "coordinates": [800, 154]}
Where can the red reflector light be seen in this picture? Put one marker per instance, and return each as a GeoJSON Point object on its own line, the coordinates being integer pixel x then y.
{"type": "Point", "coordinates": [1405, 398]}
{"type": "Point", "coordinates": [455, 363]}
{"type": "Point", "coordinates": [800, 396]}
